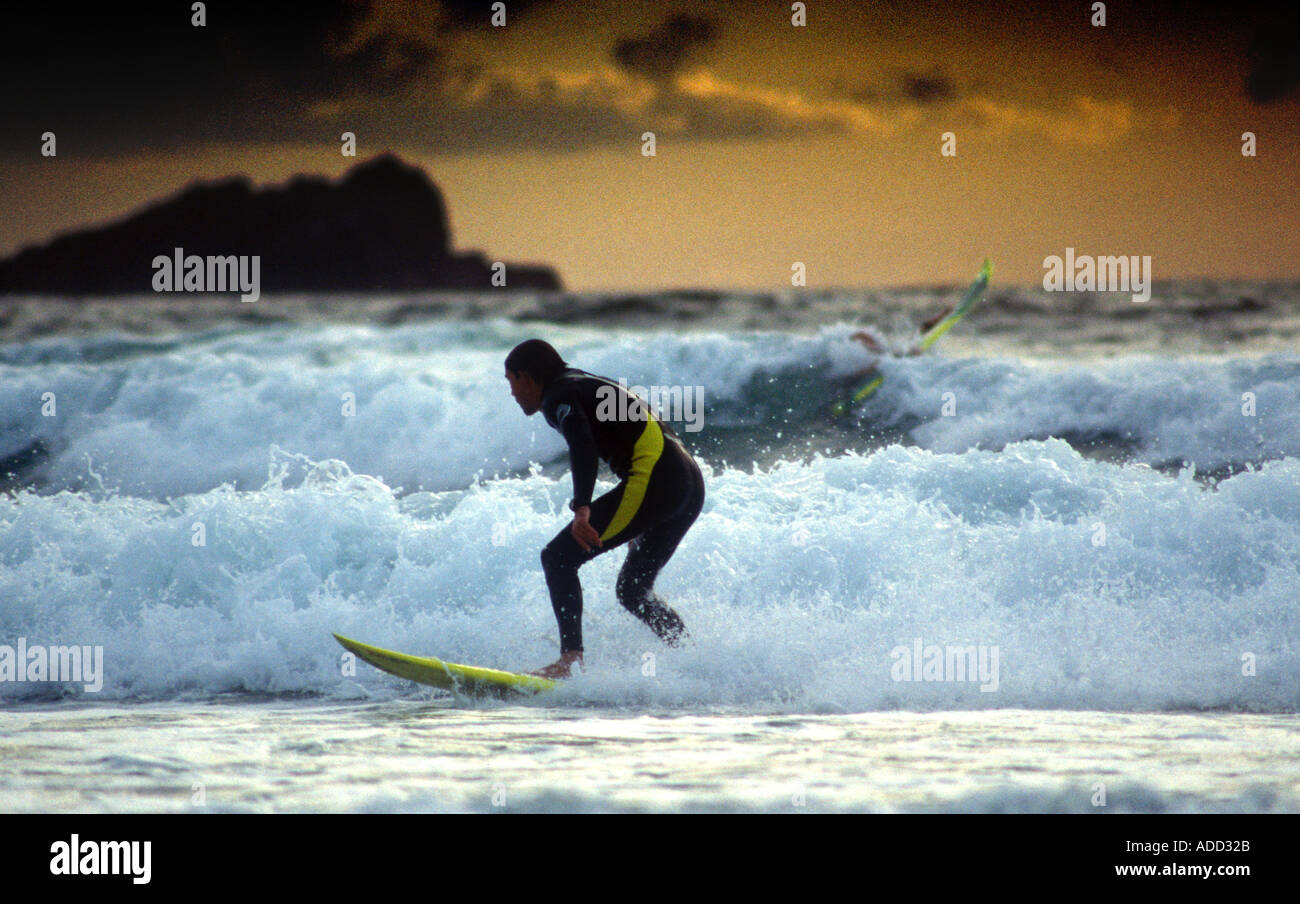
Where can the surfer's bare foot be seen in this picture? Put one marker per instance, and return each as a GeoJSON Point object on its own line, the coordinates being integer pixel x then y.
{"type": "Point", "coordinates": [560, 668]}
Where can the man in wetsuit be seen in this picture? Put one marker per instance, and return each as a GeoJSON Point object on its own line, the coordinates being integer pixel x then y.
{"type": "Point", "coordinates": [659, 495]}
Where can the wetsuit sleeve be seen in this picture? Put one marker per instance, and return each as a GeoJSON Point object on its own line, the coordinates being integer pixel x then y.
{"type": "Point", "coordinates": [584, 460]}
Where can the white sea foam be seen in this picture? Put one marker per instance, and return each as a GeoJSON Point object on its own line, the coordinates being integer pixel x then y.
{"type": "Point", "coordinates": [796, 583]}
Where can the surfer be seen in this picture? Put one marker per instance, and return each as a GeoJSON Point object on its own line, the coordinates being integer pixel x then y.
{"type": "Point", "coordinates": [658, 497]}
{"type": "Point", "coordinates": [931, 330]}
{"type": "Point", "coordinates": [873, 343]}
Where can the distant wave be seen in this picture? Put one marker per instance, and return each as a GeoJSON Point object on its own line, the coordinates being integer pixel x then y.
{"type": "Point", "coordinates": [161, 417]}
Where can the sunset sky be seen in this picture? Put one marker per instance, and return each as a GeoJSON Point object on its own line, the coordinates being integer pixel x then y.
{"type": "Point", "coordinates": [775, 143]}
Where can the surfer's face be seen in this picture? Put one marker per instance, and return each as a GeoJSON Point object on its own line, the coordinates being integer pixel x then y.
{"type": "Point", "coordinates": [526, 390]}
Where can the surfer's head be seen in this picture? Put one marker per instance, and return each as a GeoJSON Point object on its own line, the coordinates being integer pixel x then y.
{"type": "Point", "coordinates": [530, 366]}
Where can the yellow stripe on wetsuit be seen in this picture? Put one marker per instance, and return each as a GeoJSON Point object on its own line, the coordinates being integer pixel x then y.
{"type": "Point", "coordinates": [649, 446]}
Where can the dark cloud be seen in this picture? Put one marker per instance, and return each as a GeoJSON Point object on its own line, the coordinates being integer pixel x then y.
{"type": "Point", "coordinates": [1275, 56]}
{"type": "Point", "coordinates": [932, 88]}
{"type": "Point", "coordinates": [908, 86]}
{"type": "Point", "coordinates": [116, 78]}
{"type": "Point", "coordinates": [108, 78]}
{"type": "Point", "coordinates": [663, 50]}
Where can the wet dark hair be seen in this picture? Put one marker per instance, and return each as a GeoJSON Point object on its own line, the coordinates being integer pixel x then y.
{"type": "Point", "coordinates": [536, 358]}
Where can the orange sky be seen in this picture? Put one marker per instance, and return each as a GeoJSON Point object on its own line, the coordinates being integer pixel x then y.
{"type": "Point", "coordinates": [775, 144]}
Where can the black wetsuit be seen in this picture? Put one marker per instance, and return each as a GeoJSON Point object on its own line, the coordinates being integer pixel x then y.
{"type": "Point", "coordinates": [659, 495]}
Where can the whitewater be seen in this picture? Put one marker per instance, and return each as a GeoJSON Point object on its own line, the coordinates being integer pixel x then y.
{"type": "Point", "coordinates": [1115, 514]}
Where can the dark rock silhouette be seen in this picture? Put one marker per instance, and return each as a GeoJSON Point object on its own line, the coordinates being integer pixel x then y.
{"type": "Point", "coordinates": [383, 227]}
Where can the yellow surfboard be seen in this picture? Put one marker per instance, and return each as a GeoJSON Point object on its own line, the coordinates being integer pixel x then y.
{"type": "Point", "coordinates": [464, 679]}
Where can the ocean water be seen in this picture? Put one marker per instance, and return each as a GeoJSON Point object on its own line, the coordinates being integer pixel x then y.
{"type": "Point", "coordinates": [1061, 549]}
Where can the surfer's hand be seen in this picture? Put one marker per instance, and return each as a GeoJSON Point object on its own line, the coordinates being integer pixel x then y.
{"type": "Point", "coordinates": [586, 535]}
